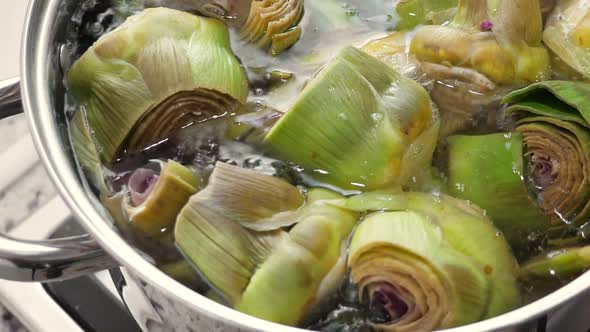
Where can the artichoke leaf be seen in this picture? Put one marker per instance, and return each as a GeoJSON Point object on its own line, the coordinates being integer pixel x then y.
{"type": "Point", "coordinates": [379, 200]}
{"type": "Point", "coordinates": [225, 253]}
{"type": "Point", "coordinates": [85, 151]}
{"type": "Point", "coordinates": [567, 34]}
{"type": "Point", "coordinates": [255, 201]}
{"type": "Point", "coordinates": [565, 97]}
{"type": "Point", "coordinates": [563, 263]}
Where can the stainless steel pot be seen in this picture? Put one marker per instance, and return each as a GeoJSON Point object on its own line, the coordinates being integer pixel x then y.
{"type": "Point", "coordinates": [178, 308]}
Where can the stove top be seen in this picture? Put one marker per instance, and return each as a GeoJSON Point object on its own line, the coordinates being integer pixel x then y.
{"type": "Point", "coordinates": [90, 303]}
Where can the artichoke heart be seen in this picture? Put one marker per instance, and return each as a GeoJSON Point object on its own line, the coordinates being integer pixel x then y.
{"type": "Point", "coordinates": [567, 34]}
{"type": "Point", "coordinates": [438, 264]}
{"type": "Point", "coordinates": [275, 275]}
{"type": "Point", "coordinates": [153, 197]}
{"type": "Point", "coordinates": [256, 201]}
{"type": "Point", "coordinates": [489, 170]}
{"type": "Point", "coordinates": [159, 71]}
{"type": "Point", "coordinates": [552, 118]}
{"type": "Point", "coordinates": [273, 24]}
{"type": "Point", "coordinates": [353, 123]}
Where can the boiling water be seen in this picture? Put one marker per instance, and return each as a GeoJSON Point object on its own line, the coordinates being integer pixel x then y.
{"type": "Point", "coordinates": [275, 84]}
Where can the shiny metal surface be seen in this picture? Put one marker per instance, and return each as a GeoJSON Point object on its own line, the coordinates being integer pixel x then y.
{"type": "Point", "coordinates": [10, 99]}
{"type": "Point", "coordinates": [51, 260]}
{"type": "Point", "coordinates": [44, 260]}
{"type": "Point", "coordinates": [41, 78]}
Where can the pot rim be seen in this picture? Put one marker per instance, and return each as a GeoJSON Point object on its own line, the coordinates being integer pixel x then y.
{"type": "Point", "coordinates": [36, 79]}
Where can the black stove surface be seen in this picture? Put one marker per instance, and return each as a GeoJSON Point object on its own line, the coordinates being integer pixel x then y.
{"type": "Point", "coordinates": [86, 300]}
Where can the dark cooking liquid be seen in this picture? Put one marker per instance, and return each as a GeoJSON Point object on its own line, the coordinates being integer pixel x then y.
{"type": "Point", "coordinates": [275, 83]}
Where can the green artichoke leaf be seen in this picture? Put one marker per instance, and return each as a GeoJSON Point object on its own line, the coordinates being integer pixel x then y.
{"type": "Point", "coordinates": [256, 201]}
{"type": "Point", "coordinates": [563, 263]}
{"type": "Point", "coordinates": [379, 200]}
{"type": "Point", "coordinates": [86, 153]}
{"type": "Point", "coordinates": [566, 99]}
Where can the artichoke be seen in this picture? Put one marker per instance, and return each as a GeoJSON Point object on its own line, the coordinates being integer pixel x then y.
{"type": "Point", "coordinates": [553, 119]}
{"type": "Point", "coordinates": [487, 48]}
{"type": "Point", "coordinates": [153, 197]}
{"type": "Point", "coordinates": [275, 275]}
{"type": "Point", "coordinates": [160, 71]}
{"type": "Point", "coordinates": [358, 125]}
{"type": "Point", "coordinates": [255, 201]}
{"type": "Point", "coordinates": [468, 64]}
{"type": "Point", "coordinates": [567, 34]}
{"type": "Point", "coordinates": [273, 24]}
{"type": "Point", "coordinates": [489, 171]}
{"type": "Point", "coordinates": [491, 38]}
{"type": "Point", "coordinates": [438, 264]}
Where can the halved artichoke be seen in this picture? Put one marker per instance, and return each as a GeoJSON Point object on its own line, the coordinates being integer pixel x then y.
{"type": "Point", "coordinates": [273, 24]}
{"type": "Point", "coordinates": [152, 198]}
{"type": "Point", "coordinates": [354, 125]}
{"type": "Point", "coordinates": [489, 171]}
{"type": "Point", "coordinates": [553, 119]}
{"type": "Point", "coordinates": [160, 71]}
{"type": "Point", "coordinates": [568, 34]}
{"type": "Point", "coordinates": [275, 275]}
{"type": "Point", "coordinates": [438, 264]}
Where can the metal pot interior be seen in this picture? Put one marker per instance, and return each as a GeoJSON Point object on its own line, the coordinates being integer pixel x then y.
{"type": "Point", "coordinates": [47, 53]}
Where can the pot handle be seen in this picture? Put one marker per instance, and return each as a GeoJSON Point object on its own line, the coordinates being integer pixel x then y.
{"type": "Point", "coordinates": [10, 100]}
{"type": "Point", "coordinates": [51, 260]}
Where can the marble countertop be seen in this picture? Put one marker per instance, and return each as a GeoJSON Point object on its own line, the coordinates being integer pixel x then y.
{"type": "Point", "coordinates": [32, 189]}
